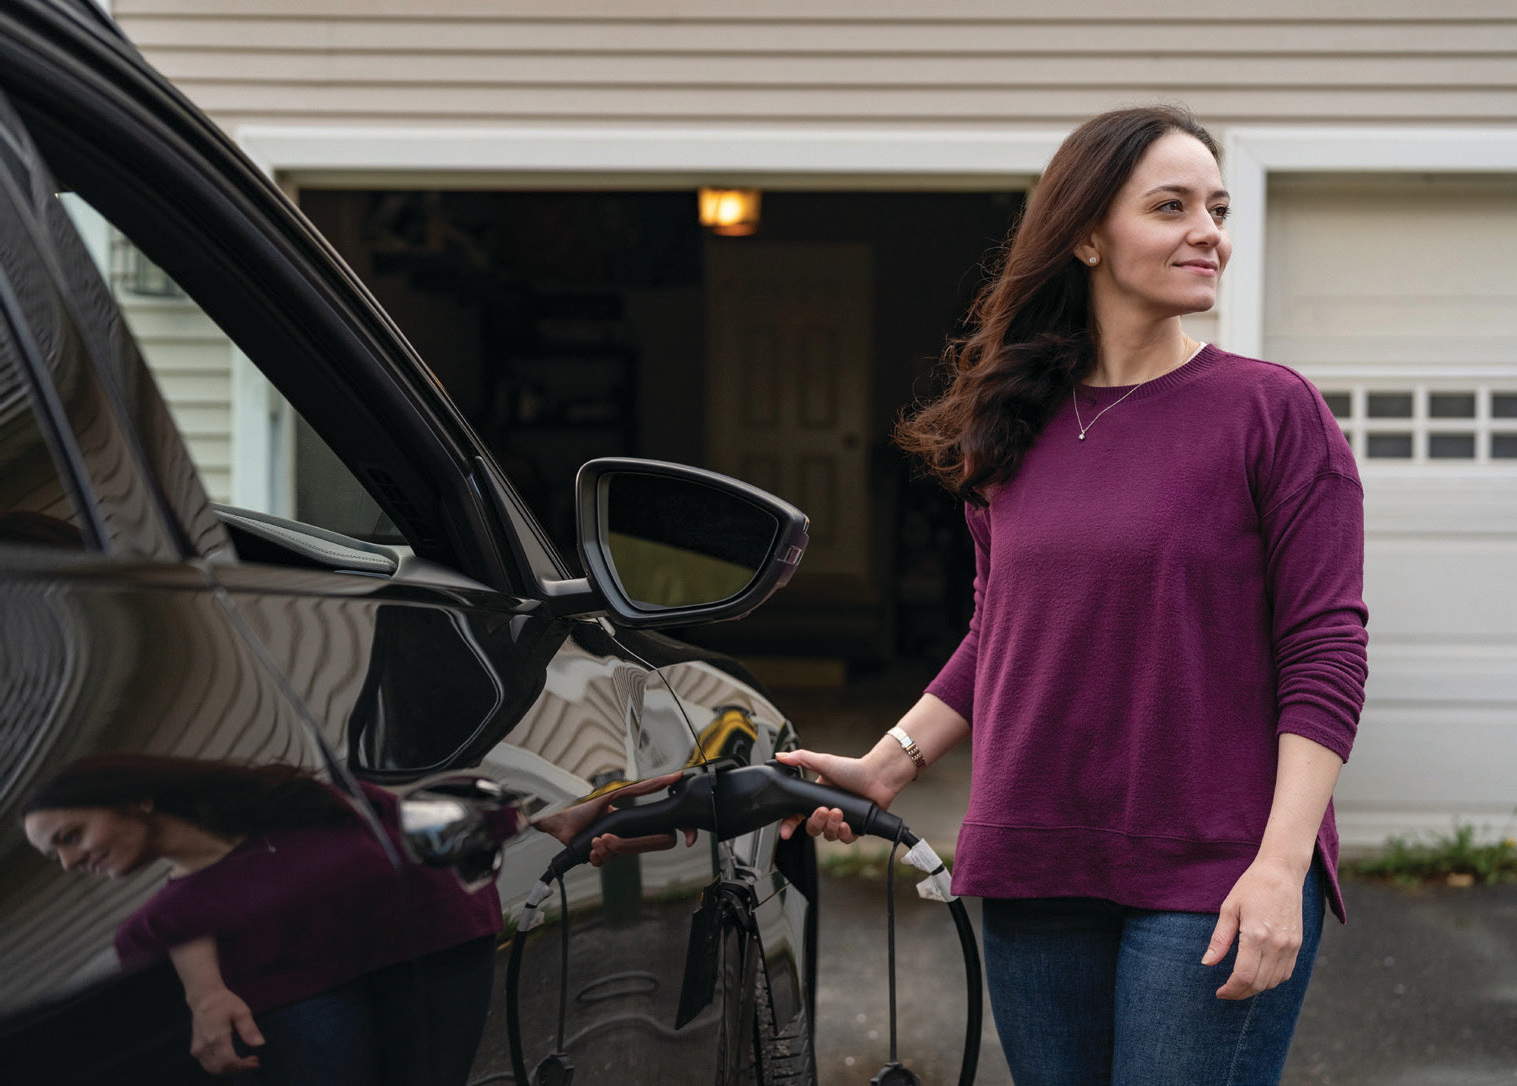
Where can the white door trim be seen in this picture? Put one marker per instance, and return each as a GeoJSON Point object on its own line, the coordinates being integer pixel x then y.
{"type": "Point", "coordinates": [695, 154]}
{"type": "Point", "coordinates": [1253, 153]}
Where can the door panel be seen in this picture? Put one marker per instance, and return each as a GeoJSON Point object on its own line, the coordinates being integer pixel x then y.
{"type": "Point", "coordinates": [788, 402]}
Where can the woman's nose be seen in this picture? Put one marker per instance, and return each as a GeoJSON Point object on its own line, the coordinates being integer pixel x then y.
{"type": "Point", "coordinates": [70, 857]}
{"type": "Point", "coordinates": [1206, 231]}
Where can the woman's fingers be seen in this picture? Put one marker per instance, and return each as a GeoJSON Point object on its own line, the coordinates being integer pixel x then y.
{"type": "Point", "coordinates": [829, 823]}
{"type": "Point", "coordinates": [850, 774]}
{"type": "Point", "coordinates": [608, 845]}
{"type": "Point", "coordinates": [1263, 912]}
{"type": "Point", "coordinates": [214, 1021]}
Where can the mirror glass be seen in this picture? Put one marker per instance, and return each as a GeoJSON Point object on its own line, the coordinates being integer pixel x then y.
{"type": "Point", "coordinates": [676, 543]}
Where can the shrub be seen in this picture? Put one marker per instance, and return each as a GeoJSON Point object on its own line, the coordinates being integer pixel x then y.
{"type": "Point", "coordinates": [1458, 859]}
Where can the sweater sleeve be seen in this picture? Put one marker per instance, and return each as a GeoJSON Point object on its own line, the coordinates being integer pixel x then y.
{"type": "Point", "coordinates": [1312, 523]}
{"type": "Point", "coordinates": [954, 685]}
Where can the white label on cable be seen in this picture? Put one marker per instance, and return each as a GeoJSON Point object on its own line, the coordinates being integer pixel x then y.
{"type": "Point", "coordinates": [534, 915]}
{"type": "Point", "coordinates": [937, 886]}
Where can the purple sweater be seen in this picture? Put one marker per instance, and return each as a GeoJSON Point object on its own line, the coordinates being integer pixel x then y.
{"type": "Point", "coordinates": [1153, 605]}
{"type": "Point", "coordinates": [299, 911]}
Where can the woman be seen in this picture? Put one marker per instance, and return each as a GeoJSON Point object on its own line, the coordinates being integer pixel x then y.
{"type": "Point", "coordinates": [304, 956]}
{"type": "Point", "coordinates": [1165, 668]}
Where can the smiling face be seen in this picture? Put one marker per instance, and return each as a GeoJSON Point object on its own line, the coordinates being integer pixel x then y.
{"type": "Point", "coordinates": [102, 840]}
{"type": "Point", "coordinates": [1162, 246]}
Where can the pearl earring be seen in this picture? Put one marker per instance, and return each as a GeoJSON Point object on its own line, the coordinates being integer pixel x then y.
{"type": "Point", "coordinates": [1093, 260]}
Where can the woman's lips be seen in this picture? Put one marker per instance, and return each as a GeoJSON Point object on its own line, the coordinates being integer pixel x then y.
{"type": "Point", "coordinates": [1199, 267]}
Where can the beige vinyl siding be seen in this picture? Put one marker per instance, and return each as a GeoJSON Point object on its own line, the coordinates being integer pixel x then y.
{"type": "Point", "coordinates": [191, 360]}
{"type": "Point", "coordinates": [960, 63]}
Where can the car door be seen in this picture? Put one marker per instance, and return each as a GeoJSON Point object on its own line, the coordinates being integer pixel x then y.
{"type": "Point", "coordinates": [117, 647]}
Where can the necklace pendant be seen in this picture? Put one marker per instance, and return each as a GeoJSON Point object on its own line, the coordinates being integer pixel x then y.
{"type": "Point", "coordinates": [1082, 435]}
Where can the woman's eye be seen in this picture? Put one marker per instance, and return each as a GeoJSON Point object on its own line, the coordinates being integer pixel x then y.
{"type": "Point", "coordinates": [1170, 205]}
{"type": "Point", "coordinates": [1221, 212]}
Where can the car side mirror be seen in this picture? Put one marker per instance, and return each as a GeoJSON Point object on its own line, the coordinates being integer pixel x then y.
{"type": "Point", "coordinates": [670, 545]}
{"type": "Point", "coordinates": [460, 822]}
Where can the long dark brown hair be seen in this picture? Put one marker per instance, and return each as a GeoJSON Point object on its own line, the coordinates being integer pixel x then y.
{"type": "Point", "coordinates": [226, 798]}
{"type": "Point", "coordinates": [1030, 337]}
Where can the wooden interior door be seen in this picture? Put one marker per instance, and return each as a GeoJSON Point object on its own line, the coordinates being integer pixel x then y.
{"type": "Point", "coordinates": [789, 358]}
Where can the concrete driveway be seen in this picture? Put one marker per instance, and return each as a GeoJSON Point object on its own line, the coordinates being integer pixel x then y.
{"type": "Point", "coordinates": [1419, 989]}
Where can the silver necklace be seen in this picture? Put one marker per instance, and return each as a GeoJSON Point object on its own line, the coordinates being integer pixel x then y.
{"type": "Point", "coordinates": [1108, 407]}
{"type": "Point", "coordinates": [1076, 400]}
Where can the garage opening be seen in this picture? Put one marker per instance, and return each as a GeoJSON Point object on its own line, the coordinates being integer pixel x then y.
{"type": "Point", "coordinates": [571, 325]}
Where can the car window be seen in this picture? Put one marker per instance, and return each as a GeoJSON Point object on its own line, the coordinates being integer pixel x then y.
{"type": "Point", "coordinates": [251, 448]}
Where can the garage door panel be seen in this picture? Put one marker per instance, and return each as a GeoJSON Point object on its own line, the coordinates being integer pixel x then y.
{"type": "Point", "coordinates": [1427, 255]}
{"type": "Point", "coordinates": [1428, 589]}
{"type": "Point", "coordinates": [1348, 354]}
{"type": "Point", "coordinates": [1407, 285]}
{"type": "Point", "coordinates": [1411, 771]}
{"type": "Point", "coordinates": [1412, 671]}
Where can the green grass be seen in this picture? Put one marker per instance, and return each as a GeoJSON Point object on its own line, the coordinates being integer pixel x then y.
{"type": "Point", "coordinates": [869, 864]}
{"type": "Point", "coordinates": [1457, 858]}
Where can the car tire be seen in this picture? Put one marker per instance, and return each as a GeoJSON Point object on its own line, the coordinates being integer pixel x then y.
{"type": "Point", "coordinates": [783, 1056]}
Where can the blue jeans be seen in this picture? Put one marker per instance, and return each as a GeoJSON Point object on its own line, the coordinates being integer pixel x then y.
{"type": "Point", "coordinates": [415, 1023]}
{"type": "Point", "coordinates": [331, 1038]}
{"type": "Point", "coordinates": [1087, 992]}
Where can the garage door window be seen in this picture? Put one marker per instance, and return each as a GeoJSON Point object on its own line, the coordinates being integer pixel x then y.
{"type": "Point", "coordinates": [1436, 425]}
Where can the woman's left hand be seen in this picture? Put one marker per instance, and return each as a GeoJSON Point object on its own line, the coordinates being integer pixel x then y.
{"type": "Point", "coordinates": [1263, 913]}
{"type": "Point", "coordinates": [567, 824]}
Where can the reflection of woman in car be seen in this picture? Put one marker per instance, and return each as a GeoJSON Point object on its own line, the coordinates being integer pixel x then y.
{"type": "Point", "coordinates": [305, 955]}
{"type": "Point", "coordinates": [1167, 659]}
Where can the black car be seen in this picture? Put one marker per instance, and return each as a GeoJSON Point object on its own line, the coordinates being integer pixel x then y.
{"type": "Point", "coordinates": [443, 686]}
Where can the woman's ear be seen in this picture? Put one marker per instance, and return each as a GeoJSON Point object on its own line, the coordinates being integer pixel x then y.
{"type": "Point", "coordinates": [1087, 254]}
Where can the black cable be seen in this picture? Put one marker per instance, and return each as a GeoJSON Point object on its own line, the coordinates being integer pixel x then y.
{"type": "Point", "coordinates": [513, 1009]}
{"type": "Point", "coordinates": [972, 986]}
{"type": "Point", "coordinates": [563, 961]}
{"type": "Point", "coordinates": [890, 936]}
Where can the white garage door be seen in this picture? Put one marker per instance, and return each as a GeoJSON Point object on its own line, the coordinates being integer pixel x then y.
{"type": "Point", "coordinates": [1398, 297]}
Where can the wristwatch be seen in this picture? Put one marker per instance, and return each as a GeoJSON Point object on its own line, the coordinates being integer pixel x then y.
{"type": "Point", "coordinates": [909, 746]}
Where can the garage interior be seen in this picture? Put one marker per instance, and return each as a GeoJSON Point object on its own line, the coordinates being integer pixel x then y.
{"type": "Point", "coordinates": [572, 325]}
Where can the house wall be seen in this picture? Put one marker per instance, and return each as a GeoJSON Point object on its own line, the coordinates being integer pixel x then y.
{"type": "Point", "coordinates": [960, 62]}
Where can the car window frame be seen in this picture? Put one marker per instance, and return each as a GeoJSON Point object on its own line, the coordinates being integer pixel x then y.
{"type": "Point", "coordinates": [169, 541]}
{"type": "Point", "coordinates": [63, 452]}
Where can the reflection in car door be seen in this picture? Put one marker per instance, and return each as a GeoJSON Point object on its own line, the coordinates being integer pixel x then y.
{"type": "Point", "coordinates": [413, 680]}
{"type": "Point", "coordinates": [122, 658]}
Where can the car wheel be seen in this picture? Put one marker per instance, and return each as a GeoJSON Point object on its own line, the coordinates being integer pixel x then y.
{"type": "Point", "coordinates": [783, 1056]}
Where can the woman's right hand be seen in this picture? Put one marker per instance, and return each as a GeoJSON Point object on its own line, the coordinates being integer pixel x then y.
{"type": "Point", "coordinates": [215, 1015]}
{"type": "Point", "coordinates": [882, 773]}
{"type": "Point", "coordinates": [862, 776]}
